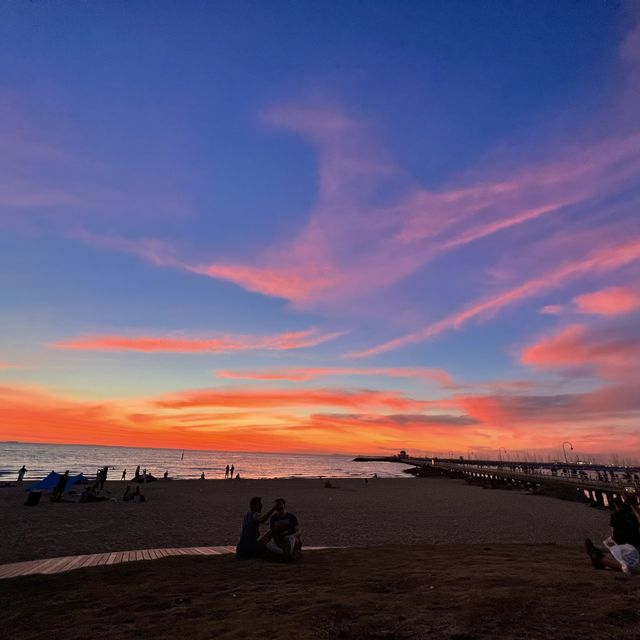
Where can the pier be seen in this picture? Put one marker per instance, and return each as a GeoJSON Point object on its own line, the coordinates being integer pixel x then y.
{"type": "Point", "coordinates": [597, 484]}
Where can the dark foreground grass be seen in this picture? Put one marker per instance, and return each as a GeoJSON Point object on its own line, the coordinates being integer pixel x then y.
{"type": "Point", "coordinates": [393, 593]}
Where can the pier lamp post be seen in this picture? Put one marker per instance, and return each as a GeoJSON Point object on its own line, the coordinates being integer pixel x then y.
{"type": "Point", "coordinates": [565, 451]}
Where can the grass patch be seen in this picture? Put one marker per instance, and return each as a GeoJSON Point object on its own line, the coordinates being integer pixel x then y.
{"type": "Point", "coordinates": [387, 593]}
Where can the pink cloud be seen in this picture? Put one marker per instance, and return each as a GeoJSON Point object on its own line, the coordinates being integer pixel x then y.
{"type": "Point", "coordinates": [179, 344]}
{"type": "Point", "coordinates": [298, 374]}
{"type": "Point", "coordinates": [552, 309]}
{"type": "Point", "coordinates": [612, 301]}
{"type": "Point", "coordinates": [599, 261]}
{"type": "Point", "coordinates": [609, 353]}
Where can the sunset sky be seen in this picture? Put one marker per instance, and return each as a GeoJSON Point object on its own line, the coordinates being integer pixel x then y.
{"type": "Point", "coordinates": [327, 227]}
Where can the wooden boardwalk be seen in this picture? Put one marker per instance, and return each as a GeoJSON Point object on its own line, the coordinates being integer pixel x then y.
{"type": "Point", "coordinates": [70, 563]}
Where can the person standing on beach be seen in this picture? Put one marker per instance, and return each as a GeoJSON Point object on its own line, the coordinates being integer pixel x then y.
{"type": "Point", "coordinates": [21, 474]}
{"type": "Point", "coordinates": [58, 492]}
{"type": "Point", "coordinates": [231, 473]}
{"type": "Point", "coordinates": [124, 475]}
{"type": "Point", "coordinates": [226, 472]}
{"type": "Point", "coordinates": [251, 543]}
{"type": "Point", "coordinates": [137, 474]}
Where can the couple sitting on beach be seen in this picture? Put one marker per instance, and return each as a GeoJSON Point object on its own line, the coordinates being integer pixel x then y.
{"type": "Point", "coordinates": [282, 539]}
{"type": "Point", "coordinates": [622, 551]}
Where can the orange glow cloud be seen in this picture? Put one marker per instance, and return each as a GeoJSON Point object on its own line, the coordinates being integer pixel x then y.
{"type": "Point", "coordinates": [176, 344]}
{"type": "Point", "coordinates": [243, 398]}
{"type": "Point", "coordinates": [612, 301]}
{"type": "Point", "coordinates": [298, 374]}
{"type": "Point", "coordinates": [604, 419]}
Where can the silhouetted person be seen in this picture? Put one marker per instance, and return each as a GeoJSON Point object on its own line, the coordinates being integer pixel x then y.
{"type": "Point", "coordinates": [21, 473]}
{"type": "Point", "coordinates": [202, 476]}
{"type": "Point", "coordinates": [231, 472]}
{"type": "Point", "coordinates": [124, 475]}
{"type": "Point", "coordinates": [226, 472]}
{"type": "Point", "coordinates": [166, 474]}
{"type": "Point", "coordinates": [625, 527]}
{"type": "Point", "coordinates": [60, 487]}
{"type": "Point", "coordinates": [286, 532]}
{"type": "Point", "coordinates": [103, 477]}
{"type": "Point", "coordinates": [251, 543]}
{"type": "Point", "coordinates": [137, 474]}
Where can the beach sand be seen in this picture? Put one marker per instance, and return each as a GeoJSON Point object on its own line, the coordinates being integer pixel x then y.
{"type": "Point", "coordinates": [382, 511]}
{"type": "Point", "coordinates": [409, 592]}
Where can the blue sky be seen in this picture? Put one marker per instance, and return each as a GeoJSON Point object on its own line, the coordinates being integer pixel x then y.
{"type": "Point", "coordinates": [374, 191]}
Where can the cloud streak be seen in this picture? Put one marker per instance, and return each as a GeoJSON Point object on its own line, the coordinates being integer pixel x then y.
{"type": "Point", "coordinates": [301, 374]}
{"type": "Point", "coordinates": [600, 261]}
{"type": "Point", "coordinates": [180, 344]}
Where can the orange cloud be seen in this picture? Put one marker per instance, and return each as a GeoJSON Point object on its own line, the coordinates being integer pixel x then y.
{"type": "Point", "coordinates": [600, 260]}
{"type": "Point", "coordinates": [243, 398]}
{"type": "Point", "coordinates": [175, 344]}
{"type": "Point", "coordinates": [612, 301]}
{"type": "Point", "coordinates": [604, 419]}
{"type": "Point", "coordinates": [299, 374]}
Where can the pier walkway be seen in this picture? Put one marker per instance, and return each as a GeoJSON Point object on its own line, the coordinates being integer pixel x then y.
{"type": "Point", "coordinates": [70, 563]}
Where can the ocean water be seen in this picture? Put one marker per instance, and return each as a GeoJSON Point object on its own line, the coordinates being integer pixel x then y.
{"type": "Point", "coordinates": [40, 459]}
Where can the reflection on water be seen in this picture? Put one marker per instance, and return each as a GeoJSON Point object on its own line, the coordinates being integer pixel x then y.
{"type": "Point", "coordinates": [42, 458]}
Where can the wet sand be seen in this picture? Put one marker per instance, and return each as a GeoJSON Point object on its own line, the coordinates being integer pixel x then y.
{"type": "Point", "coordinates": [382, 511]}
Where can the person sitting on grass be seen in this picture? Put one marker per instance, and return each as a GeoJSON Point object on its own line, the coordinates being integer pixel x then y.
{"type": "Point", "coordinates": [618, 557]}
{"type": "Point", "coordinates": [286, 532]}
{"type": "Point", "coordinates": [251, 543]}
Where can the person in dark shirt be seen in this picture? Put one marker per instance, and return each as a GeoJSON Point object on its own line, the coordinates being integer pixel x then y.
{"type": "Point", "coordinates": [286, 532]}
{"type": "Point", "coordinates": [625, 527]}
{"type": "Point", "coordinates": [251, 543]}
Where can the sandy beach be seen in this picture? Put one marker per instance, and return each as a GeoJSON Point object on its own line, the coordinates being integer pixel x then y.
{"type": "Point", "coordinates": [355, 513]}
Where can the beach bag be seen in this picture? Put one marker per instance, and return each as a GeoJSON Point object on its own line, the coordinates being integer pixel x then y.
{"type": "Point", "coordinates": [626, 554]}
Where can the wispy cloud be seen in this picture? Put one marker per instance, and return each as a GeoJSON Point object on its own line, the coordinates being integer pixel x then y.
{"type": "Point", "coordinates": [264, 398]}
{"type": "Point", "coordinates": [298, 374]}
{"type": "Point", "coordinates": [600, 261]}
{"type": "Point", "coordinates": [184, 344]}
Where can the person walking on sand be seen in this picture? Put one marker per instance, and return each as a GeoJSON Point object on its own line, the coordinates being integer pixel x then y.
{"type": "Point", "coordinates": [226, 472]}
{"type": "Point", "coordinates": [251, 543]}
{"type": "Point", "coordinates": [231, 473]}
{"type": "Point", "coordinates": [137, 474]}
{"type": "Point", "coordinates": [21, 473]}
{"type": "Point", "coordinates": [124, 475]}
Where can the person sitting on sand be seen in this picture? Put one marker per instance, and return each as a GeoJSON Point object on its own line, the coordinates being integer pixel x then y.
{"type": "Point", "coordinates": [251, 543]}
{"type": "Point", "coordinates": [286, 532]}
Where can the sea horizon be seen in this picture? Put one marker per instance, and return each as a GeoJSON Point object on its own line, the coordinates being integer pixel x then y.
{"type": "Point", "coordinates": [41, 458]}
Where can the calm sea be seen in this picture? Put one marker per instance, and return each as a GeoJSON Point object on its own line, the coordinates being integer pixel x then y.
{"type": "Point", "coordinates": [42, 458]}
